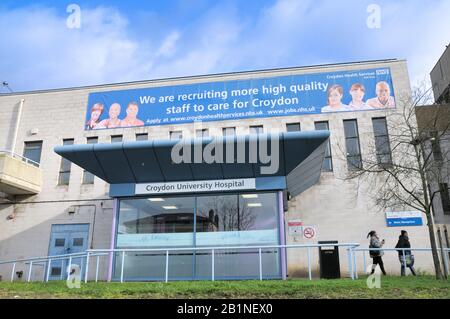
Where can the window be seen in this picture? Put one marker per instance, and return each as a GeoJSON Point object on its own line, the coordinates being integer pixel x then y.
{"type": "Point", "coordinates": [200, 221]}
{"type": "Point", "coordinates": [383, 148]}
{"type": "Point", "coordinates": [33, 151]}
{"type": "Point", "coordinates": [176, 135]}
{"type": "Point", "coordinates": [293, 127]}
{"type": "Point", "coordinates": [445, 198]}
{"type": "Point", "coordinates": [258, 129]}
{"type": "Point", "coordinates": [202, 133]}
{"type": "Point", "coordinates": [78, 242]}
{"type": "Point", "coordinates": [56, 271]}
{"type": "Point", "coordinates": [116, 138]}
{"type": "Point", "coordinates": [88, 177]}
{"type": "Point", "coordinates": [142, 137]}
{"type": "Point", "coordinates": [228, 131]}
{"type": "Point", "coordinates": [327, 165]}
{"type": "Point", "coordinates": [60, 242]}
{"type": "Point", "coordinates": [354, 160]}
{"type": "Point", "coordinates": [436, 147]}
{"type": "Point", "coordinates": [64, 169]}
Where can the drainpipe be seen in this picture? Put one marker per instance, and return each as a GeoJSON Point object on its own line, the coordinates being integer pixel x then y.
{"type": "Point", "coordinates": [16, 128]}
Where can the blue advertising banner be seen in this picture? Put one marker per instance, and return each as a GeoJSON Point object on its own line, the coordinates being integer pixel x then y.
{"type": "Point", "coordinates": [345, 91]}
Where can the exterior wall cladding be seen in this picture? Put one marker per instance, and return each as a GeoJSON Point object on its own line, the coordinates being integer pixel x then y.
{"type": "Point", "coordinates": [331, 205]}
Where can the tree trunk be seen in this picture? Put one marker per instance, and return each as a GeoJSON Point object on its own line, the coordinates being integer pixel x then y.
{"type": "Point", "coordinates": [434, 249]}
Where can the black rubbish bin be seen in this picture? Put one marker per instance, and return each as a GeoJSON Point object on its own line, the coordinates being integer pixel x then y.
{"type": "Point", "coordinates": [329, 260]}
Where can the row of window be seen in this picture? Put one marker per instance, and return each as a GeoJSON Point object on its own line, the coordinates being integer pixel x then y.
{"type": "Point", "coordinates": [33, 149]}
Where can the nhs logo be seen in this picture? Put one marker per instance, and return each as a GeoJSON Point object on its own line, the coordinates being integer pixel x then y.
{"type": "Point", "coordinates": [382, 72]}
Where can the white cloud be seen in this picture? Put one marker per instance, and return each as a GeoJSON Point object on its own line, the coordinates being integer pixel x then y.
{"type": "Point", "coordinates": [38, 51]}
{"type": "Point", "coordinates": [168, 47]}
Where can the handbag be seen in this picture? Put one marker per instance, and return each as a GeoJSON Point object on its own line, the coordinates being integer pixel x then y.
{"type": "Point", "coordinates": [374, 253]}
{"type": "Point", "coordinates": [409, 260]}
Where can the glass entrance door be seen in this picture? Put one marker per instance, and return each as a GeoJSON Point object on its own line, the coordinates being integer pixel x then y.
{"type": "Point", "coordinates": [224, 220]}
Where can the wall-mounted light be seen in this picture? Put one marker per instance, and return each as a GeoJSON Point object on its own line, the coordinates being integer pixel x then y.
{"type": "Point", "coordinates": [156, 199]}
{"type": "Point", "coordinates": [170, 207]}
{"type": "Point", "coordinates": [249, 195]}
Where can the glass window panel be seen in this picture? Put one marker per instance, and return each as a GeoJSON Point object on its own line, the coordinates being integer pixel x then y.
{"type": "Point", "coordinates": [56, 271]}
{"type": "Point", "coordinates": [32, 151]}
{"type": "Point", "coordinates": [78, 241]}
{"type": "Point", "coordinates": [88, 177]}
{"type": "Point", "coordinates": [379, 126]}
{"type": "Point", "coordinates": [354, 162]}
{"type": "Point", "coordinates": [293, 127]}
{"type": "Point", "coordinates": [384, 159]}
{"type": "Point", "coordinates": [64, 170]}
{"type": "Point", "coordinates": [116, 138]}
{"type": "Point", "coordinates": [221, 220]}
{"type": "Point", "coordinates": [321, 126]}
{"type": "Point", "coordinates": [350, 128]}
{"type": "Point", "coordinates": [60, 242]}
{"type": "Point", "coordinates": [352, 147]}
{"type": "Point", "coordinates": [327, 165]}
{"type": "Point", "coordinates": [92, 140]}
{"type": "Point", "coordinates": [142, 137]}
{"type": "Point", "coordinates": [202, 133]}
{"type": "Point", "coordinates": [382, 144]}
{"type": "Point", "coordinates": [175, 135]}
{"type": "Point", "coordinates": [237, 220]}
{"type": "Point", "coordinates": [228, 131]}
{"type": "Point", "coordinates": [64, 178]}
{"type": "Point", "coordinates": [159, 223]}
{"type": "Point", "coordinates": [258, 129]}
{"type": "Point", "coordinates": [156, 223]}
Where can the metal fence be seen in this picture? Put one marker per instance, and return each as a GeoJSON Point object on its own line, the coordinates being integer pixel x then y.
{"type": "Point", "coordinates": [25, 159]}
{"type": "Point", "coordinates": [92, 256]}
{"type": "Point", "coordinates": [97, 253]}
{"type": "Point", "coordinates": [445, 256]}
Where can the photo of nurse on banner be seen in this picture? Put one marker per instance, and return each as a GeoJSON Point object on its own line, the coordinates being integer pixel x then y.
{"type": "Point", "coordinates": [113, 121]}
{"type": "Point", "coordinates": [356, 97]}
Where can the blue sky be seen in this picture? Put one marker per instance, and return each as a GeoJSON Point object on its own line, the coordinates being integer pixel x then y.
{"type": "Point", "coordinates": [134, 40]}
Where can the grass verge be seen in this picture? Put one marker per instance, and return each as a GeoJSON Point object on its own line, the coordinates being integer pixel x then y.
{"type": "Point", "coordinates": [422, 287]}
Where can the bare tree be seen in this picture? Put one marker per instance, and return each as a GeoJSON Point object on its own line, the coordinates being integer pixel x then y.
{"type": "Point", "coordinates": [230, 215]}
{"type": "Point", "coordinates": [399, 168]}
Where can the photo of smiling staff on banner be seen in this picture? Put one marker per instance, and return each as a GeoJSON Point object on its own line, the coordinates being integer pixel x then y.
{"type": "Point", "coordinates": [335, 95]}
{"type": "Point", "coordinates": [357, 91]}
{"type": "Point", "coordinates": [113, 121]}
{"type": "Point", "coordinates": [384, 98]}
{"type": "Point", "coordinates": [131, 118]}
{"type": "Point", "coordinates": [96, 112]}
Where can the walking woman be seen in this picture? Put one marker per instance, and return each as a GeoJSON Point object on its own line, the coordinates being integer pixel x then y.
{"type": "Point", "coordinates": [376, 254]}
{"type": "Point", "coordinates": [404, 255]}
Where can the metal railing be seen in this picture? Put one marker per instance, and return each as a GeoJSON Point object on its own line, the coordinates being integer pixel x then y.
{"type": "Point", "coordinates": [47, 260]}
{"type": "Point", "coordinates": [88, 254]}
{"type": "Point", "coordinates": [352, 250]}
{"type": "Point", "coordinates": [349, 247]}
{"type": "Point", "coordinates": [24, 159]}
{"type": "Point", "coordinates": [445, 255]}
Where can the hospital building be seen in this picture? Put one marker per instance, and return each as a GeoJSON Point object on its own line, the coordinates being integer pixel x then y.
{"type": "Point", "coordinates": [97, 167]}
